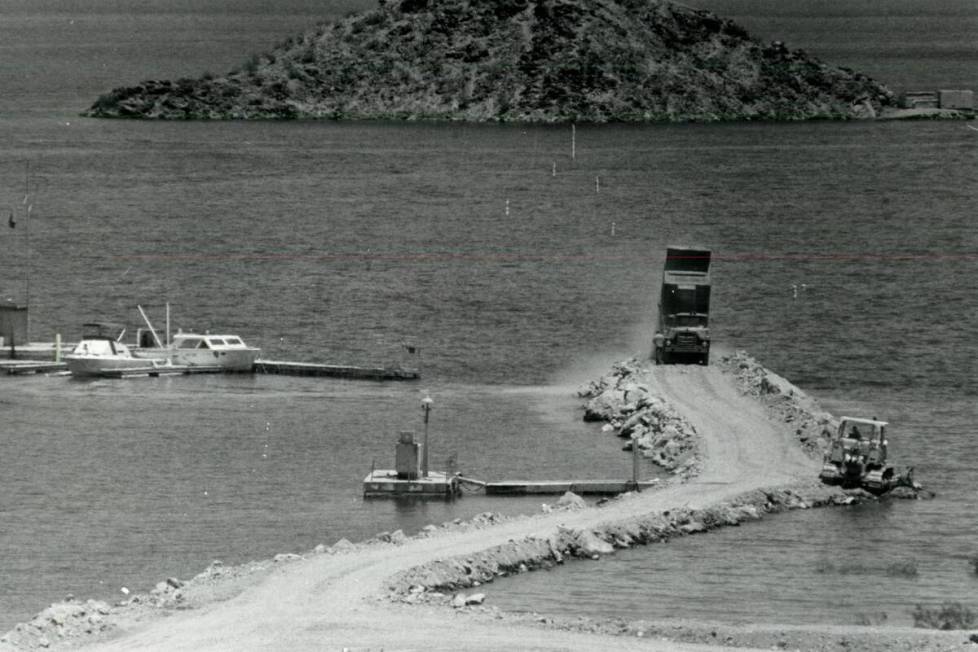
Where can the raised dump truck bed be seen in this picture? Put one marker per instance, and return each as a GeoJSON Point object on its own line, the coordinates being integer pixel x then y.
{"type": "Point", "coordinates": [683, 330]}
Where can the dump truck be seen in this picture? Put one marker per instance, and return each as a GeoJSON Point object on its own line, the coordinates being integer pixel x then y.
{"type": "Point", "coordinates": [684, 307]}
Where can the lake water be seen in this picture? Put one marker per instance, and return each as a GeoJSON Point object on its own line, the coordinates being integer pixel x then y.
{"type": "Point", "coordinates": [344, 242]}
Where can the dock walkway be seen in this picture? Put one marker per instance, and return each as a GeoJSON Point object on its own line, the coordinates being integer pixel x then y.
{"type": "Point", "coordinates": [24, 367]}
{"type": "Point", "coordinates": [580, 487]}
{"type": "Point", "coordinates": [37, 358]}
{"type": "Point", "coordinates": [334, 370]}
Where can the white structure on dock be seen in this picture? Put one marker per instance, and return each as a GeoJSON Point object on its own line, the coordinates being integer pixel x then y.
{"type": "Point", "coordinates": [409, 477]}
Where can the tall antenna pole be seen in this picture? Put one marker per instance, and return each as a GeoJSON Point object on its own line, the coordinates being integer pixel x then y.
{"type": "Point", "coordinates": [27, 237]}
{"type": "Point", "coordinates": [426, 406]}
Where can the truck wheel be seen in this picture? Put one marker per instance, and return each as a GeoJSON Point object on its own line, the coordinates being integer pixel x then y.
{"type": "Point", "coordinates": [705, 359]}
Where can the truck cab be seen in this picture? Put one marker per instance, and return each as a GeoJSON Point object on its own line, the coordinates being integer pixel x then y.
{"type": "Point", "coordinates": [683, 330]}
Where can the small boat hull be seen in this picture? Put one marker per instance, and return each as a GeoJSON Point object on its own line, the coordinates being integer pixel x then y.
{"type": "Point", "coordinates": [93, 365]}
{"type": "Point", "coordinates": [101, 355]}
{"type": "Point", "coordinates": [229, 359]}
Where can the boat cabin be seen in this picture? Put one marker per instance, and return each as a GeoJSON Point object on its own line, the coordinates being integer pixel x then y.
{"type": "Point", "coordinates": [103, 329]}
{"type": "Point", "coordinates": [100, 346]}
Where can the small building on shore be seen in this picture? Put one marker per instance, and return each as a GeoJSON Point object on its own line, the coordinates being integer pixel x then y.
{"type": "Point", "coordinates": [919, 100]}
{"type": "Point", "coordinates": [13, 323]}
{"type": "Point", "coordinates": [954, 100]}
{"type": "Point", "coordinates": [957, 100]}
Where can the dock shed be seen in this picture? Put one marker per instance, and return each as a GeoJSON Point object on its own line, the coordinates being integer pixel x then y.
{"type": "Point", "coordinates": [13, 323]}
{"type": "Point", "coordinates": [919, 100]}
{"type": "Point", "coordinates": [961, 100]}
{"type": "Point", "coordinates": [949, 99]}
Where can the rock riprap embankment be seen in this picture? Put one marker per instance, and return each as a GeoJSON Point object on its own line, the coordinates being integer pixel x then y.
{"type": "Point", "coordinates": [625, 401]}
{"type": "Point", "coordinates": [785, 401]}
{"type": "Point", "coordinates": [442, 580]}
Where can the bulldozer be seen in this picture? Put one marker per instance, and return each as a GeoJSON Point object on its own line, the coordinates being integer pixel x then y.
{"type": "Point", "coordinates": [856, 457]}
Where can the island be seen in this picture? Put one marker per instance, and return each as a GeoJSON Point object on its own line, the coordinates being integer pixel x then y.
{"type": "Point", "coordinates": [516, 61]}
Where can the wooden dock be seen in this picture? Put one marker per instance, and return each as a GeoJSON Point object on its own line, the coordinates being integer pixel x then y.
{"type": "Point", "coordinates": [35, 351]}
{"type": "Point", "coordinates": [580, 487]}
{"type": "Point", "coordinates": [24, 367]}
{"type": "Point", "coordinates": [336, 371]}
{"type": "Point", "coordinates": [162, 370]}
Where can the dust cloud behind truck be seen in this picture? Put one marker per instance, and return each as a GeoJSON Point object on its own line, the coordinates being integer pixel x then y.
{"type": "Point", "coordinates": [683, 332]}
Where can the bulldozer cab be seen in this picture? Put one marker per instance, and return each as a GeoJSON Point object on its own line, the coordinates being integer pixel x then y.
{"type": "Point", "coordinates": [863, 437]}
{"type": "Point", "coordinates": [857, 456]}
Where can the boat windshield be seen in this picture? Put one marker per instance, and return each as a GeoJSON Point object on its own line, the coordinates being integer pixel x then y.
{"type": "Point", "coordinates": [225, 341]}
{"type": "Point", "coordinates": [97, 347]}
{"type": "Point", "coordinates": [192, 343]}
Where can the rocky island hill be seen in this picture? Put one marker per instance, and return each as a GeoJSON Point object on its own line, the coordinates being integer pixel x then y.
{"type": "Point", "coordinates": [516, 61]}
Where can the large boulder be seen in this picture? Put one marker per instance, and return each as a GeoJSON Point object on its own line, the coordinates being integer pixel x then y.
{"type": "Point", "coordinates": [572, 501]}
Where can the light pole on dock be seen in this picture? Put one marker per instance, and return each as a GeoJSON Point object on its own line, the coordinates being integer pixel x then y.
{"type": "Point", "coordinates": [635, 463]}
{"type": "Point", "coordinates": [426, 406]}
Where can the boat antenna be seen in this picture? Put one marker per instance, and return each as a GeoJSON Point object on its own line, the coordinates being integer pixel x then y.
{"type": "Point", "coordinates": [156, 338]}
{"type": "Point", "coordinates": [27, 240]}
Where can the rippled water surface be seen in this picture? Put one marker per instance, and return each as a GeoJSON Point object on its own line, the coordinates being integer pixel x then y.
{"type": "Point", "coordinates": [342, 242]}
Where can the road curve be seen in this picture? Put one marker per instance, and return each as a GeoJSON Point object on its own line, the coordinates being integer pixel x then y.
{"type": "Point", "coordinates": [334, 601]}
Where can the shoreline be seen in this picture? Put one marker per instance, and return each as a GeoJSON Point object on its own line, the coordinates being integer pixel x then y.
{"type": "Point", "coordinates": [405, 578]}
{"type": "Point", "coordinates": [885, 114]}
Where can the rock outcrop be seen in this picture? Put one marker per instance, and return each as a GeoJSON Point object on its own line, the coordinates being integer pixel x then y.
{"type": "Point", "coordinates": [516, 61]}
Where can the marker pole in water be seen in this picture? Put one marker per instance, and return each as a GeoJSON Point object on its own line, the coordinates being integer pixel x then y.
{"type": "Point", "coordinates": [57, 347]}
{"type": "Point", "coordinates": [597, 184]}
{"type": "Point", "coordinates": [573, 142]}
{"type": "Point", "coordinates": [507, 207]}
{"type": "Point", "coordinates": [612, 228]}
{"type": "Point", "coordinates": [554, 173]}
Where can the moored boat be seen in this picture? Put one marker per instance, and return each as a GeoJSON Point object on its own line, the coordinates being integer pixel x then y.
{"type": "Point", "coordinates": [100, 352]}
{"type": "Point", "coordinates": [229, 352]}
{"type": "Point", "coordinates": [213, 352]}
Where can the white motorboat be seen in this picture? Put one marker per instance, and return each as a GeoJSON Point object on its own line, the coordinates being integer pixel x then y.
{"type": "Point", "coordinates": [229, 352]}
{"type": "Point", "coordinates": [100, 353]}
{"type": "Point", "coordinates": [217, 352]}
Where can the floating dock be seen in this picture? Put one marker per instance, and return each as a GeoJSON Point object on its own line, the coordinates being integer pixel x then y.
{"type": "Point", "coordinates": [162, 370]}
{"type": "Point", "coordinates": [386, 483]}
{"type": "Point", "coordinates": [579, 487]}
{"type": "Point", "coordinates": [333, 370]}
{"type": "Point", "coordinates": [24, 367]}
{"type": "Point", "coordinates": [35, 351]}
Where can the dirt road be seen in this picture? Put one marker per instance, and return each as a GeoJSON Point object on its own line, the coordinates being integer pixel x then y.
{"type": "Point", "coordinates": [334, 601]}
{"type": "Point", "coordinates": [742, 445]}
